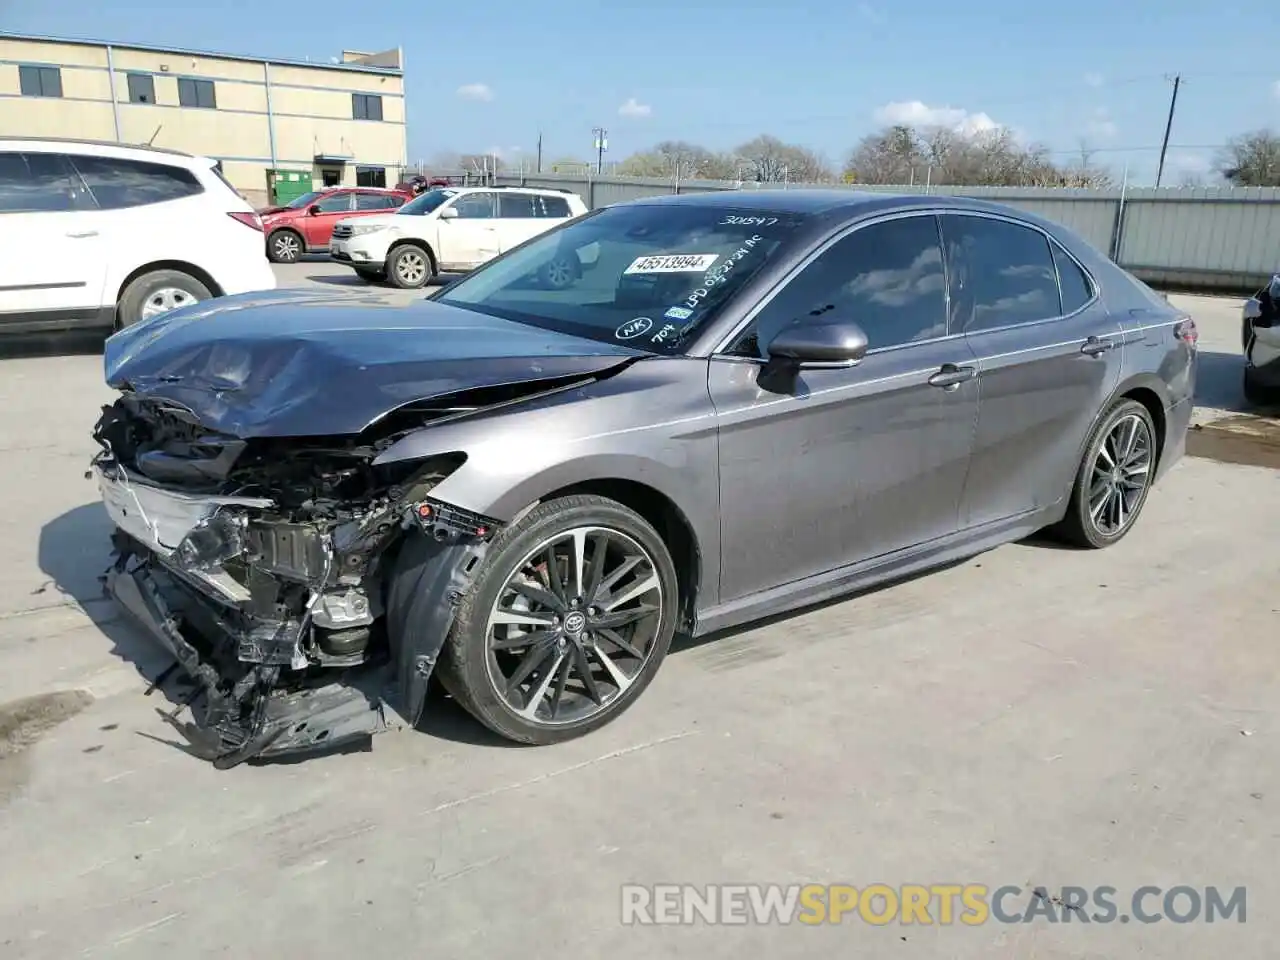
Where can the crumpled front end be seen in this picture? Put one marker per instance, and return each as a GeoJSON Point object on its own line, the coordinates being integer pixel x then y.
{"type": "Point", "coordinates": [265, 568]}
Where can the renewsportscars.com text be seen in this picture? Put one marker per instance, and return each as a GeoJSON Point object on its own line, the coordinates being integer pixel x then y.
{"type": "Point", "coordinates": [943, 904]}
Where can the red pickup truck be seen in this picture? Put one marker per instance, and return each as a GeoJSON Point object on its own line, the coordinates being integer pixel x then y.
{"type": "Point", "coordinates": [305, 224]}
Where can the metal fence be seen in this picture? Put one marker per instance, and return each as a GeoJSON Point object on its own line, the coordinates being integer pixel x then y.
{"type": "Point", "coordinates": [1207, 238]}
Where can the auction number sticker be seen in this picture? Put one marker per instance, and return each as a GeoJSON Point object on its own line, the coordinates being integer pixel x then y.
{"type": "Point", "coordinates": [673, 263]}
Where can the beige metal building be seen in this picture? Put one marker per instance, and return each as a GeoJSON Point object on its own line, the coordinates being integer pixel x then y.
{"type": "Point", "coordinates": [274, 124]}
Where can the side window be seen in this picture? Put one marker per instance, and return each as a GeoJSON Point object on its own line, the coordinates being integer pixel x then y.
{"type": "Point", "coordinates": [117, 184]}
{"type": "Point", "coordinates": [475, 206]}
{"type": "Point", "coordinates": [196, 93]}
{"type": "Point", "coordinates": [513, 205]}
{"type": "Point", "coordinates": [39, 183]}
{"type": "Point", "coordinates": [142, 88]}
{"type": "Point", "coordinates": [555, 207]}
{"type": "Point", "coordinates": [1077, 290]}
{"type": "Point", "coordinates": [335, 203]}
{"type": "Point", "coordinates": [40, 81]}
{"type": "Point", "coordinates": [886, 277]}
{"type": "Point", "coordinates": [1001, 273]}
{"type": "Point", "coordinates": [374, 201]}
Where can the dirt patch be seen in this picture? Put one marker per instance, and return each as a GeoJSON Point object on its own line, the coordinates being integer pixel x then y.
{"type": "Point", "coordinates": [1244, 438]}
{"type": "Point", "coordinates": [23, 722]}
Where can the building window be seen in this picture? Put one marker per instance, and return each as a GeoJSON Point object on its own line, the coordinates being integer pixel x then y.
{"type": "Point", "coordinates": [142, 88]}
{"type": "Point", "coordinates": [366, 106]}
{"type": "Point", "coordinates": [40, 81]}
{"type": "Point", "coordinates": [196, 93]}
{"type": "Point", "coordinates": [371, 176]}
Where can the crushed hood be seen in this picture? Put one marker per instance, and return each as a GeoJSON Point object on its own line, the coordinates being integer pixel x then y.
{"type": "Point", "coordinates": [296, 363]}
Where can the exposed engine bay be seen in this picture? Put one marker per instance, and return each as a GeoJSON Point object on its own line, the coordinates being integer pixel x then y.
{"type": "Point", "coordinates": [265, 566]}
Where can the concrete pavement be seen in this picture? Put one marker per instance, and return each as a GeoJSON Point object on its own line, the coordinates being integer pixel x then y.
{"type": "Point", "coordinates": [1035, 716]}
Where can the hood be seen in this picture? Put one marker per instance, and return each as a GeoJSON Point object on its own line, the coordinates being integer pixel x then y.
{"type": "Point", "coordinates": [272, 211]}
{"type": "Point", "coordinates": [296, 364]}
{"type": "Point", "coordinates": [377, 219]}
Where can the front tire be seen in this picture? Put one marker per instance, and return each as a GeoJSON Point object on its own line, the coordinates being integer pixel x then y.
{"type": "Point", "coordinates": [560, 273]}
{"type": "Point", "coordinates": [284, 246]}
{"type": "Point", "coordinates": [566, 624]}
{"type": "Point", "coordinates": [1113, 479]}
{"type": "Point", "coordinates": [409, 267]}
{"type": "Point", "coordinates": [159, 292]}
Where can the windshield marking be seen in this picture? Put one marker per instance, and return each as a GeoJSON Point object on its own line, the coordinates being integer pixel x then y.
{"type": "Point", "coordinates": [748, 221]}
{"type": "Point", "coordinates": [718, 275]}
{"type": "Point", "coordinates": [678, 313]}
{"type": "Point", "coordinates": [634, 328]}
{"type": "Point", "coordinates": [662, 335]}
{"type": "Point", "coordinates": [673, 263]}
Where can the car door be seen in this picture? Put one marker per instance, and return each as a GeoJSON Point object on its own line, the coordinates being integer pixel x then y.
{"type": "Point", "coordinates": [317, 225]}
{"type": "Point", "coordinates": [44, 205]}
{"type": "Point", "coordinates": [471, 237]}
{"type": "Point", "coordinates": [848, 463]}
{"type": "Point", "coordinates": [517, 218]}
{"type": "Point", "coordinates": [1049, 356]}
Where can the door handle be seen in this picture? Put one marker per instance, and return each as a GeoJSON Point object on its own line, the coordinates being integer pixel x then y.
{"type": "Point", "coordinates": [1094, 346]}
{"type": "Point", "coordinates": [81, 235]}
{"type": "Point", "coordinates": [951, 376]}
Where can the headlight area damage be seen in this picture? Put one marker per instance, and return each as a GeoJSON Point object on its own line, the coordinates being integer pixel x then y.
{"type": "Point", "coordinates": [268, 568]}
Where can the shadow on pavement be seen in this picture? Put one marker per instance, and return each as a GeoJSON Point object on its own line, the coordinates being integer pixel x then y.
{"type": "Point", "coordinates": [22, 346]}
{"type": "Point", "coordinates": [1218, 382]}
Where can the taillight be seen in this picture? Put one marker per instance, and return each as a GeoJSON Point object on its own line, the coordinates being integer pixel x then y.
{"type": "Point", "coordinates": [248, 219]}
{"type": "Point", "coordinates": [1185, 330]}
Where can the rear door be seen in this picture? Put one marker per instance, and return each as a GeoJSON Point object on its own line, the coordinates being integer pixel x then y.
{"type": "Point", "coordinates": [317, 228]}
{"type": "Point", "coordinates": [517, 218]}
{"type": "Point", "coordinates": [54, 276]}
{"type": "Point", "coordinates": [1049, 357]}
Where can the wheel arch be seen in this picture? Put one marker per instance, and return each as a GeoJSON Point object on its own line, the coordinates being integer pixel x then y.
{"type": "Point", "coordinates": [287, 228]}
{"type": "Point", "coordinates": [1147, 390]}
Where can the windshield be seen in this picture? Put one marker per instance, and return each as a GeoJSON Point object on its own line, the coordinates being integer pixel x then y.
{"type": "Point", "coordinates": [646, 275]}
{"type": "Point", "coordinates": [305, 200]}
{"type": "Point", "coordinates": [426, 202]}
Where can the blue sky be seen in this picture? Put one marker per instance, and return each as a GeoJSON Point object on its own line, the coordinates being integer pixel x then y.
{"type": "Point", "coordinates": [818, 73]}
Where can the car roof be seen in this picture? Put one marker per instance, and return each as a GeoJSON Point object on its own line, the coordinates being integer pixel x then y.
{"type": "Point", "coordinates": [51, 144]}
{"type": "Point", "coordinates": [819, 201]}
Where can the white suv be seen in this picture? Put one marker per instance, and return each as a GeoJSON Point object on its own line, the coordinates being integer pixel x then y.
{"type": "Point", "coordinates": [448, 230]}
{"type": "Point", "coordinates": [113, 234]}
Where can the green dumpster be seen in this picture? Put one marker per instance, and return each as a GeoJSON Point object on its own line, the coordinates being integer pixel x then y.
{"type": "Point", "coordinates": [289, 185]}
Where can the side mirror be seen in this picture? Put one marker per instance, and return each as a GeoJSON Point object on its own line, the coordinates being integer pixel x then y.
{"type": "Point", "coordinates": [448, 213]}
{"type": "Point", "coordinates": [835, 342]}
{"type": "Point", "coordinates": [1273, 288]}
{"type": "Point", "coordinates": [313, 210]}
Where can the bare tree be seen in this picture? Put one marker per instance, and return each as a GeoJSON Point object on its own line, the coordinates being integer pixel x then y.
{"type": "Point", "coordinates": [678, 159]}
{"type": "Point", "coordinates": [770, 160]}
{"type": "Point", "coordinates": [1252, 160]}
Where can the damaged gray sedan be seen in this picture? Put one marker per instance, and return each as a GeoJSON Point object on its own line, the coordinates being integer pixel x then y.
{"type": "Point", "coordinates": [746, 403]}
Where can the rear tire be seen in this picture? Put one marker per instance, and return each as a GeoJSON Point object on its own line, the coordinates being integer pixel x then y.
{"type": "Point", "coordinates": [561, 273]}
{"type": "Point", "coordinates": [1259, 394]}
{"type": "Point", "coordinates": [1113, 478]}
{"type": "Point", "coordinates": [285, 246]}
{"type": "Point", "coordinates": [409, 267]}
{"type": "Point", "coordinates": [483, 657]}
{"type": "Point", "coordinates": [158, 292]}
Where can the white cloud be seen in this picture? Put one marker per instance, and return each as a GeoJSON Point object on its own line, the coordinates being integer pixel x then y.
{"type": "Point", "coordinates": [1101, 126]}
{"type": "Point", "coordinates": [1093, 79]}
{"type": "Point", "coordinates": [913, 113]}
{"type": "Point", "coordinates": [475, 91]}
{"type": "Point", "coordinates": [870, 13]}
{"type": "Point", "coordinates": [634, 108]}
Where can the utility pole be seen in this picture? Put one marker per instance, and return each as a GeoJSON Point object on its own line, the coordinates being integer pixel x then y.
{"type": "Point", "coordinates": [602, 144]}
{"type": "Point", "coordinates": [539, 151]}
{"type": "Point", "coordinates": [1168, 127]}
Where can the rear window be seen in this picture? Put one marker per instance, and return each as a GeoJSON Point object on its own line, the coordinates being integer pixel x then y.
{"type": "Point", "coordinates": [557, 207]}
{"type": "Point", "coordinates": [118, 184]}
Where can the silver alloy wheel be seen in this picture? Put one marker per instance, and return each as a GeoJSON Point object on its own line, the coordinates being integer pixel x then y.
{"type": "Point", "coordinates": [287, 247]}
{"type": "Point", "coordinates": [559, 273]}
{"type": "Point", "coordinates": [574, 625]}
{"type": "Point", "coordinates": [411, 267]}
{"type": "Point", "coordinates": [1121, 474]}
{"type": "Point", "coordinates": [166, 299]}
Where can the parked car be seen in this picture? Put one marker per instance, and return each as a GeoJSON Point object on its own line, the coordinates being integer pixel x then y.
{"type": "Point", "coordinates": [304, 225]}
{"type": "Point", "coordinates": [1260, 332]}
{"type": "Point", "coordinates": [759, 401]}
{"type": "Point", "coordinates": [104, 235]}
{"type": "Point", "coordinates": [448, 230]}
